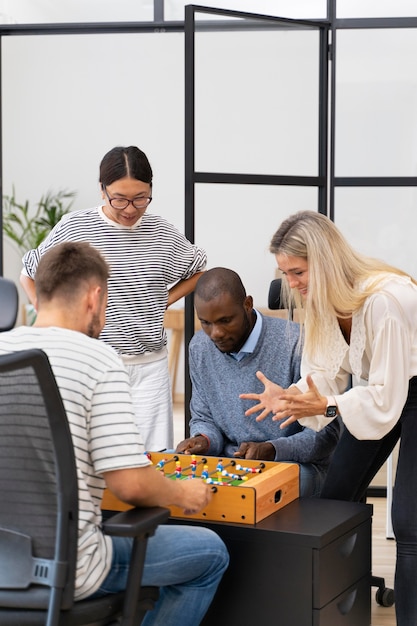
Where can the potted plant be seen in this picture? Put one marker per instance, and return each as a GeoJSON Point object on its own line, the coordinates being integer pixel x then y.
{"type": "Point", "coordinates": [27, 227]}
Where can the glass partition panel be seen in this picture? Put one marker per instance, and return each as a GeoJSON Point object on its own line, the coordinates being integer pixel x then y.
{"type": "Point", "coordinates": [379, 222]}
{"type": "Point", "coordinates": [68, 99]}
{"type": "Point", "coordinates": [302, 9]}
{"type": "Point", "coordinates": [376, 103]}
{"type": "Point", "coordinates": [376, 8]}
{"type": "Point", "coordinates": [235, 223]}
{"type": "Point", "coordinates": [57, 11]}
{"type": "Point", "coordinates": [257, 98]}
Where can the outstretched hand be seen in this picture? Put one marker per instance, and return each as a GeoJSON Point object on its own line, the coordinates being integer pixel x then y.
{"type": "Point", "coordinates": [268, 400]}
{"type": "Point", "coordinates": [290, 403]}
{"type": "Point", "coordinates": [300, 405]}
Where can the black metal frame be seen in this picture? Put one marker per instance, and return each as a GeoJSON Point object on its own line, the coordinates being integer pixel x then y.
{"type": "Point", "coordinates": [192, 177]}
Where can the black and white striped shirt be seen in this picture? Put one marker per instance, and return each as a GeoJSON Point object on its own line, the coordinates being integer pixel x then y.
{"type": "Point", "coordinates": [95, 390]}
{"type": "Point", "coordinates": [145, 259]}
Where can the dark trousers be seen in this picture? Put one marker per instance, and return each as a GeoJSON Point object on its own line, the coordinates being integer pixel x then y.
{"type": "Point", "coordinates": [353, 467]}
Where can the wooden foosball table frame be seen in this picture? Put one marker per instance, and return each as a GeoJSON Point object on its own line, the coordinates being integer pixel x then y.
{"type": "Point", "coordinates": [265, 487]}
{"type": "Point", "coordinates": [300, 561]}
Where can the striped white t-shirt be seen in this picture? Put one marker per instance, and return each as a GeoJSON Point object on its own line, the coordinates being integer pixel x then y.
{"type": "Point", "coordinates": [94, 386]}
{"type": "Point", "coordinates": [145, 259]}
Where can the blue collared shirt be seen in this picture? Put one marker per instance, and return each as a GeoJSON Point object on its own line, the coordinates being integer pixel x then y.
{"type": "Point", "coordinates": [250, 343]}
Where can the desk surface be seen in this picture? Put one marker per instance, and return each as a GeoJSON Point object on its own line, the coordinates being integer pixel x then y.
{"type": "Point", "coordinates": [308, 521]}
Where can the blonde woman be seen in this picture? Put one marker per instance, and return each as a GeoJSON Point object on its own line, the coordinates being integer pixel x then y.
{"type": "Point", "coordinates": [360, 321]}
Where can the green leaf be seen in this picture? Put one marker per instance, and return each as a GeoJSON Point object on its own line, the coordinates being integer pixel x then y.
{"type": "Point", "coordinates": [27, 227]}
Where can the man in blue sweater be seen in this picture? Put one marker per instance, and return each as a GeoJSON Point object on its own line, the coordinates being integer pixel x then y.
{"type": "Point", "coordinates": [235, 342]}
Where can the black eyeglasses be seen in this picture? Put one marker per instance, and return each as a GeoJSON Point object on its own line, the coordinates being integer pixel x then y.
{"type": "Point", "coordinates": [122, 203]}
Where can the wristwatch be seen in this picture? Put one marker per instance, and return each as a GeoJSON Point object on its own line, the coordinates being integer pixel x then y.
{"type": "Point", "coordinates": [331, 410]}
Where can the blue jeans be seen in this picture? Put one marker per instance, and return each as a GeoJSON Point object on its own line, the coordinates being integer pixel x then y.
{"type": "Point", "coordinates": [186, 562]}
{"type": "Point", "coordinates": [312, 478]}
{"type": "Point", "coordinates": [354, 465]}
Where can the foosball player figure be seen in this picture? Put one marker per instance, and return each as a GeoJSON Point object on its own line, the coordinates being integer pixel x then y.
{"type": "Point", "coordinates": [193, 465]}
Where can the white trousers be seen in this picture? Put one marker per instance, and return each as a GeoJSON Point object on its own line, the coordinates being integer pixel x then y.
{"type": "Point", "coordinates": [152, 403]}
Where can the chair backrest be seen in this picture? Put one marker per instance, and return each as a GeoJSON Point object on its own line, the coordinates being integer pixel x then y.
{"type": "Point", "coordinates": [38, 487]}
{"type": "Point", "coordinates": [275, 303]}
{"type": "Point", "coordinates": [274, 295]}
{"type": "Point", "coordinates": [9, 304]}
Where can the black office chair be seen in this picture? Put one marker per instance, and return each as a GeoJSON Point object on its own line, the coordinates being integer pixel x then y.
{"type": "Point", "coordinates": [9, 304]}
{"type": "Point", "coordinates": [39, 510]}
{"type": "Point", "coordinates": [274, 295]}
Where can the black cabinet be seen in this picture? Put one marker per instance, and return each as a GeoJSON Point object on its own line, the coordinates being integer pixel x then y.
{"type": "Point", "coordinates": [308, 564]}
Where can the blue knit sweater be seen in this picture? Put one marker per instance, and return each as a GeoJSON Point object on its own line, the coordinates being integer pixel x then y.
{"type": "Point", "coordinates": [218, 412]}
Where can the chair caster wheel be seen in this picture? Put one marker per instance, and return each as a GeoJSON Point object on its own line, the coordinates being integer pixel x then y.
{"type": "Point", "coordinates": [385, 597]}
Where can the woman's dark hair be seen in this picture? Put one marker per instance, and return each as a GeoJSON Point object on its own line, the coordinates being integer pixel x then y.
{"type": "Point", "coordinates": [121, 162]}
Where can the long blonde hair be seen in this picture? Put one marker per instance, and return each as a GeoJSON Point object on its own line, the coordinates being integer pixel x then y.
{"type": "Point", "coordinates": [336, 273]}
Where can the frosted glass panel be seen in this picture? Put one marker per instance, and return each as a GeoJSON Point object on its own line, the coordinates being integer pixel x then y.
{"type": "Point", "coordinates": [57, 11]}
{"type": "Point", "coordinates": [376, 103]}
{"type": "Point", "coordinates": [302, 9]}
{"type": "Point", "coordinates": [257, 102]}
{"type": "Point", "coordinates": [376, 8]}
{"type": "Point", "coordinates": [381, 223]}
{"type": "Point", "coordinates": [69, 99]}
{"type": "Point", "coordinates": [235, 223]}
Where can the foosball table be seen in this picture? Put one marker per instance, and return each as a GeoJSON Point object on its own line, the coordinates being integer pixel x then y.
{"type": "Point", "coordinates": [293, 561]}
{"type": "Point", "coordinates": [243, 491]}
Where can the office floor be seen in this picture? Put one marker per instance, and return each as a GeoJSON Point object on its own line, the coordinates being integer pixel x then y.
{"type": "Point", "coordinates": [383, 549]}
{"type": "Point", "coordinates": [383, 562]}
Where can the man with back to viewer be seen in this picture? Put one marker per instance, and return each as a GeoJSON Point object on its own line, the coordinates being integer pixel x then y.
{"type": "Point", "coordinates": [235, 342]}
{"type": "Point", "coordinates": [186, 562]}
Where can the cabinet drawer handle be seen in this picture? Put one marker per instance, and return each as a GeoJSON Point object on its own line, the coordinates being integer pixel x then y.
{"type": "Point", "coordinates": [348, 546]}
{"type": "Point", "coordinates": [347, 603]}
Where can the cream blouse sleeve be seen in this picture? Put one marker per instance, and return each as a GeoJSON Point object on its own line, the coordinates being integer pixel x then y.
{"type": "Point", "coordinates": [372, 410]}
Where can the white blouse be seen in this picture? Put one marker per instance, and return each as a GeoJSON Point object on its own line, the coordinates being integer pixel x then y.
{"type": "Point", "coordinates": [382, 357]}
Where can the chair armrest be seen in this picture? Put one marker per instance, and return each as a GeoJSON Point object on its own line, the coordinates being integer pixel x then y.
{"type": "Point", "coordinates": [135, 522]}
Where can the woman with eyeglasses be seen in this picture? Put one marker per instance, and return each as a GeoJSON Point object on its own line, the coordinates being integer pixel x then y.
{"type": "Point", "coordinates": [360, 321]}
{"type": "Point", "coordinates": [152, 266]}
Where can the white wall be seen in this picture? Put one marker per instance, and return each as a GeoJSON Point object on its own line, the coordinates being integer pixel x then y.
{"type": "Point", "coordinates": [68, 99]}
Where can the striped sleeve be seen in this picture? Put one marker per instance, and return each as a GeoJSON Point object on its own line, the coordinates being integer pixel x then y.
{"type": "Point", "coordinates": [145, 260]}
